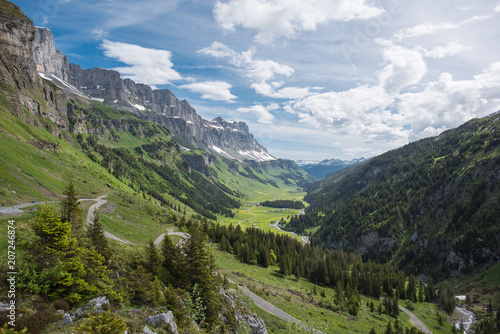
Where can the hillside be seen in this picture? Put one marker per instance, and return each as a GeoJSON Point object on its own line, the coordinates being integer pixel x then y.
{"type": "Point", "coordinates": [431, 207]}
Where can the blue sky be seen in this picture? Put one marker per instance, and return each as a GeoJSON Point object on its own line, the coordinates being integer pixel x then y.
{"type": "Point", "coordinates": [314, 79]}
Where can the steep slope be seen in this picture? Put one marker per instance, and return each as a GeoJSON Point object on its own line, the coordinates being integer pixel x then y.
{"type": "Point", "coordinates": [327, 166]}
{"type": "Point", "coordinates": [432, 206]}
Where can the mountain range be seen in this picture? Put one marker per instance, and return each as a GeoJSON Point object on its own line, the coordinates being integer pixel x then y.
{"type": "Point", "coordinates": [320, 169]}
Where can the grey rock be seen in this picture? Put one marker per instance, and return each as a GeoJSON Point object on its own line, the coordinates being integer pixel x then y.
{"type": "Point", "coordinates": [163, 318]}
{"type": "Point", "coordinates": [66, 319]}
{"type": "Point", "coordinates": [146, 330]}
{"type": "Point", "coordinates": [47, 58]}
{"type": "Point", "coordinates": [98, 302]}
{"type": "Point", "coordinates": [257, 325]}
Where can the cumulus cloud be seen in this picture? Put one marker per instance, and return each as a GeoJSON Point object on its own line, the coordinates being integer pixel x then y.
{"type": "Point", "coordinates": [259, 71]}
{"type": "Point", "coordinates": [285, 18]}
{"type": "Point", "coordinates": [404, 67]}
{"type": "Point", "coordinates": [256, 69]}
{"type": "Point", "coordinates": [212, 90]}
{"type": "Point", "coordinates": [381, 113]}
{"type": "Point", "coordinates": [148, 66]}
{"type": "Point", "coordinates": [260, 112]}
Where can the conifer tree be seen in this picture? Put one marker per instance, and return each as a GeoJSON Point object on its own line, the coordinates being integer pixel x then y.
{"type": "Point", "coordinates": [153, 260]}
{"type": "Point", "coordinates": [199, 268]}
{"type": "Point", "coordinates": [169, 261]}
{"type": "Point", "coordinates": [71, 210]}
{"type": "Point", "coordinates": [53, 237]}
{"type": "Point", "coordinates": [95, 232]}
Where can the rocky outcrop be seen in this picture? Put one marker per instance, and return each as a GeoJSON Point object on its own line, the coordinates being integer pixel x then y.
{"type": "Point", "coordinates": [256, 324]}
{"type": "Point", "coordinates": [165, 319]}
{"type": "Point", "coordinates": [19, 80]}
{"type": "Point", "coordinates": [47, 58]}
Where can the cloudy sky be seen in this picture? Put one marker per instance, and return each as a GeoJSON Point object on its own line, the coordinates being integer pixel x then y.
{"type": "Point", "coordinates": [314, 79]}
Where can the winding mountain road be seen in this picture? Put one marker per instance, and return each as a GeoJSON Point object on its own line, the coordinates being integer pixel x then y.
{"type": "Point", "coordinates": [92, 211]}
{"type": "Point", "coordinates": [416, 320]}
{"type": "Point", "coordinates": [170, 231]}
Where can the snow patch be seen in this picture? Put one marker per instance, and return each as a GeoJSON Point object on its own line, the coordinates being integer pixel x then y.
{"type": "Point", "coordinates": [257, 155]}
{"type": "Point", "coordinates": [63, 84]}
{"type": "Point", "coordinates": [221, 152]}
{"type": "Point", "coordinates": [97, 99]}
{"type": "Point", "coordinates": [138, 106]}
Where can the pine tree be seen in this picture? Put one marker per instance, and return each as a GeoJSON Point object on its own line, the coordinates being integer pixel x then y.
{"type": "Point", "coordinates": [199, 268]}
{"type": "Point", "coordinates": [71, 210]}
{"type": "Point", "coordinates": [153, 259]}
{"type": "Point", "coordinates": [169, 261]}
{"type": "Point", "coordinates": [53, 237]}
{"type": "Point", "coordinates": [95, 233]}
{"type": "Point", "coordinates": [372, 331]}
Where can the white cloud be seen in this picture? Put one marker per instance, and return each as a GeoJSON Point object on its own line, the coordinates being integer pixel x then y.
{"type": "Point", "coordinates": [427, 28]}
{"type": "Point", "coordinates": [448, 50]}
{"type": "Point", "coordinates": [266, 89]}
{"type": "Point", "coordinates": [497, 8]}
{"type": "Point", "coordinates": [423, 29]}
{"type": "Point", "coordinates": [256, 69]}
{"type": "Point", "coordinates": [260, 112]}
{"type": "Point", "coordinates": [149, 66]}
{"type": "Point", "coordinates": [259, 71]}
{"type": "Point", "coordinates": [404, 67]}
{"type": "Point", "coordinates": [100, 34]}
{"type": "Point", "coordinates": [212, 90]}
{"type": "Point", "coordinates": [284, 18]}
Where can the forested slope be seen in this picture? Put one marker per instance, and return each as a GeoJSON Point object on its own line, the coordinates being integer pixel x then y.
{"type": "Point", "coordinates": [431, 206]}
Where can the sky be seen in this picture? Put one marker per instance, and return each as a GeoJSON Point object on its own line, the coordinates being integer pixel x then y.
{"type": "Point", "coordinates": [313, 79]}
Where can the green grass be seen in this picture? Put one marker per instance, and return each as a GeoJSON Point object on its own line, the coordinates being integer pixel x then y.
{"type": "Point", "coordinates": [296, 298]}
{"type": "Point", "coordinates": [426, 312]}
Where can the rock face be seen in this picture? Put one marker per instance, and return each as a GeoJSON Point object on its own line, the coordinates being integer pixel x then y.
{"type": "Point", "coordinates": [257, 325]}
{"type": "Point", "coordinates": [229, 139]}
{"type": "Point", "coordinates": [47, 58]}
{"type": "Point", "coordinates": [19, 81]}
{"type": "Point", "coordinates": [163, 319]}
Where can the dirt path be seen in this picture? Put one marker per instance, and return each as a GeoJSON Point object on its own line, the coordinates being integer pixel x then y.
{"type": "Point", "coordinates": [416, 320]}
{"type": "Point", "coordinates": [93, 209]}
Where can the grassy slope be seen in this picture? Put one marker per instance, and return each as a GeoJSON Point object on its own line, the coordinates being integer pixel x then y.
{"type": "Point", "coordinates": [296, 298]}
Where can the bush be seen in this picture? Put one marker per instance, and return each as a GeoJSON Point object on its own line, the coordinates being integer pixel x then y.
{"type": "Point", "coordinates": [105, 323]}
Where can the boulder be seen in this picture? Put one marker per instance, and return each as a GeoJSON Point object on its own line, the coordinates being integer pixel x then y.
{"type": "Point", "coordinates": [163, 318]}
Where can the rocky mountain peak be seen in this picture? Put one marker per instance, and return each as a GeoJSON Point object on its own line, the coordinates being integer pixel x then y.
{"type": "Point", "coordinates": [230, 139]}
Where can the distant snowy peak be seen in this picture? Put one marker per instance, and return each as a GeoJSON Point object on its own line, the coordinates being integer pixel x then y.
{"type": "Point", "coordinates": [306, 162]}
{"type": "Point", "coordinates": [322, 168]}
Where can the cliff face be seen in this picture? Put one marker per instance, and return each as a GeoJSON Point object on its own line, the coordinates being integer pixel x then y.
{"type": "Point", "coordinates": [19, 82]}
{"type": "Point", "coordinates": [229, 139]}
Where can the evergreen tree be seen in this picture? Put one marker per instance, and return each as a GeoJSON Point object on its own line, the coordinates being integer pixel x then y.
{"type": "Point", "coordinates": [153, 259]}
{"type": "Point", "coordinates": [95, 233]}
{"type": "Point", "coordinates": [199, 268]}
{"type": "Point", "coordinates": [372, 331]}
{"type": "Point", "coordinates": [430, 292]}
{"type": "Point", "coordinates": [388, 329]}
{"type": "Point", "coordinates": [411, 291]}
{"type": "Point", "coordinates": [71, 210]}
{"type": "Point", "coordinates": [169, 261]}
